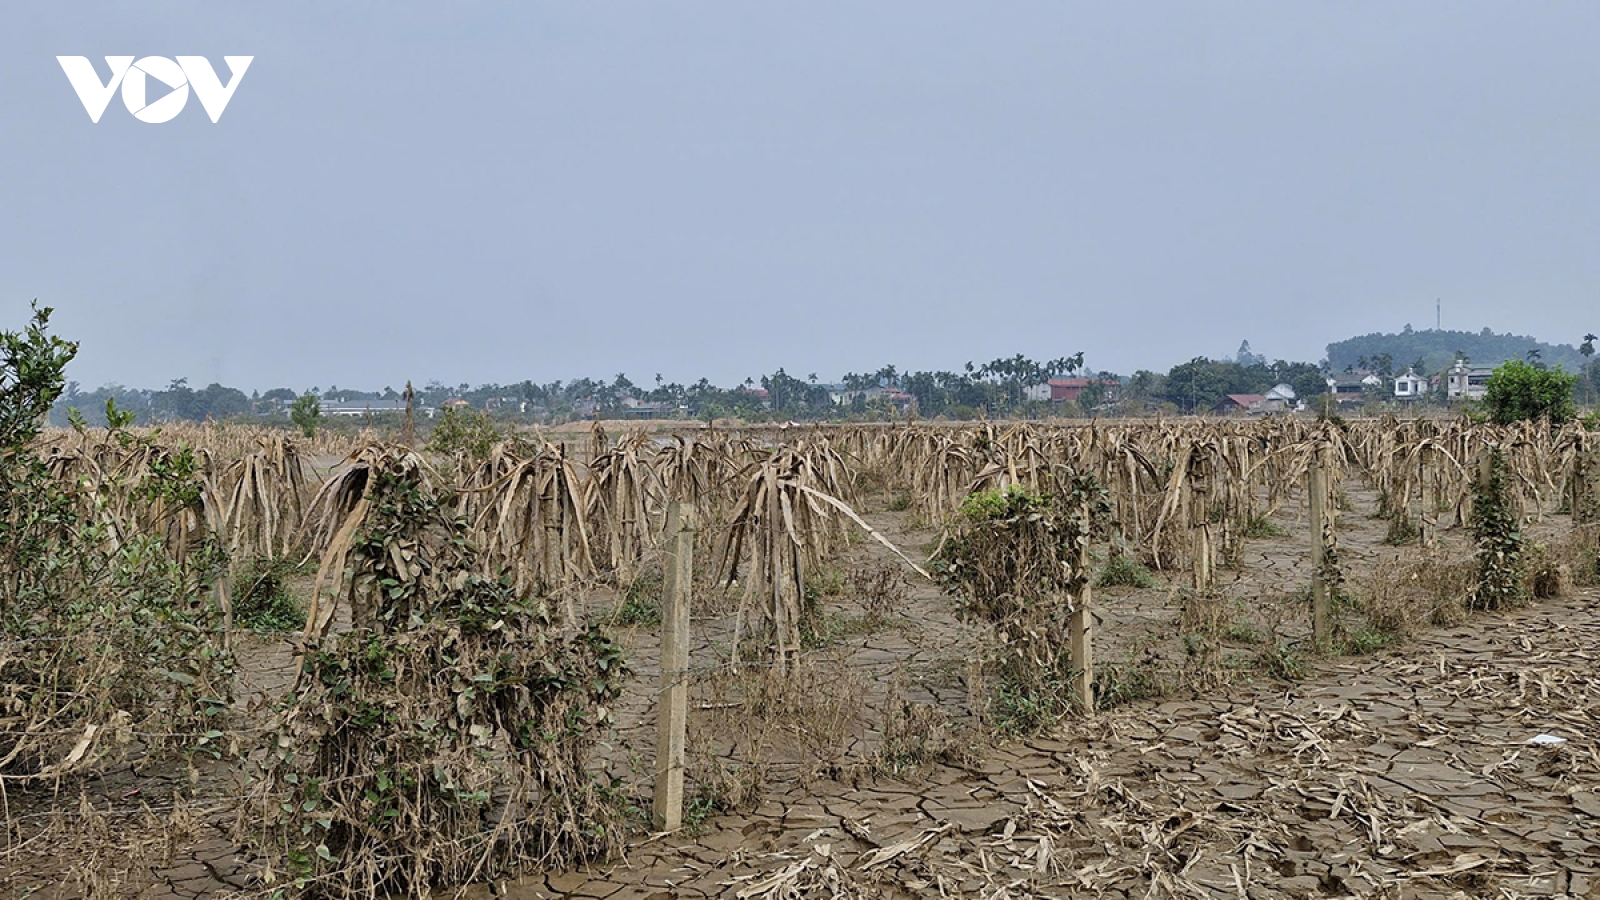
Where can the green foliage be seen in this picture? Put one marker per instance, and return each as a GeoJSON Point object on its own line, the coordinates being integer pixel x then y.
{"type": "Point", "coordinates": [1369, 640]}
{"type": "Point", "coordinates": [1402, 530]}
{"type": "Point", "coordinates": [1437, 349]}
{"type": "Point", "coordinates": [1260, 526]}
{"type": "Point", "coordinates": [1201, 383]}
{"type": "Point", "coordinates": [105, 621]}
{"type": "Point", "coordinates": [1283, 662]}
{"type": "Point", "coordinates": [1123, 570]}
{"type": "Point", "coordinates": [1015, 547]}
{"type": "Point", "coordinates": [1244, 633]}
{"type": "Point", "coordinates": [1028, 705]}
{"type": "Point", "coordinates": [1137, 677]}
{"type": "Point", "coordinates": [34, 512]}
{"type": "Point", "coordinates": [214, 401]}
{"type": "Point", "coordinates": [1519, 391]}
{"type": "Point", "coordinates": [640, 604]}
{"type": "Point", "coordinates": [306, 413]}
{"type": "Point", "coordinates": [117, 418]}
{"type": "Point", "coordinates": [1011, 503]}
{"type": "Point", "coordinates": [818, 628]}
{"type": "Point", "coordinates": [31, 366]}
{"type": "Point", "coordinates": [466, 431]}
{"type": "Point", "coordinates": [1499, 539]}
{"type": "Point", "coordinates": [445, 735]}
{"type": "Point", "coordinates": [1019, 558]}
{"type": "Point", "coordinates": [262, 600]}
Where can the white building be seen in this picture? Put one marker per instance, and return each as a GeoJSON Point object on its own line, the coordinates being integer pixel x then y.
{"type": "Point", "coordinates": [1410, 386]}
{"type": "Point", "coordinates": [1467, 381]}
{"type": "Point", "coordinates": [1282, 392]}
{"type": "Point", "coordinates": [1352, 388]}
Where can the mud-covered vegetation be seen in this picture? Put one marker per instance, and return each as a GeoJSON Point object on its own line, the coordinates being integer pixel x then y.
{"type": "Point", "coordinates": [469, 689]}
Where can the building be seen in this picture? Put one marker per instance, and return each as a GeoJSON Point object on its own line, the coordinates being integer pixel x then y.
{"type": "Point", "coordinates": [1410, 386]}
{"type": "Point", "coordinates": [634, 408]}
{"type": "Point", "coordinates": [1471, 382]}
{"type": "Point", "coordinates": [1281, 392]}
{"type": "Point", "coordinates": [1250, 403]}
{"type": "Point", "coordinates": [1067, 390]}
{"type": "Point", "coordinates": [901, 400]}
{"type": "Point", "coordinates": [1352, 387]}
{"type": "Point", "coordinates": [840, 395]}
{"type": "Point", "coordinates": [365, 407]}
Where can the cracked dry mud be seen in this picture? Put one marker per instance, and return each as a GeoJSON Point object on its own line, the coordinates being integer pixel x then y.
{"type": "Point", "coordinates": [1403, 776]}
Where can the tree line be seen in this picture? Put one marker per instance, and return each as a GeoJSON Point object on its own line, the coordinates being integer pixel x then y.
{"type": "Point", "coordinates": [998, 388]}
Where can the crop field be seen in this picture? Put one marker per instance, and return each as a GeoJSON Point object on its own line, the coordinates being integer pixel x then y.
{"type": "Point", "coordinates": [1276, 657]}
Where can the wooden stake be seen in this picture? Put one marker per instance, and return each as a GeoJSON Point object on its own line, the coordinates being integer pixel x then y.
{"type": "Point", "coordinates": [672, 715]}
{"type": "Point", "coordinates": [1585, 500]}
{"type": "Point", "coordinates": [1428, 522]}
{"type": "Point", "coordinates": [1317, 495]}
{"type": "Point", "coordinates": [1201, 552]}
{"type": "Point", "coordinates": [1080, 642]}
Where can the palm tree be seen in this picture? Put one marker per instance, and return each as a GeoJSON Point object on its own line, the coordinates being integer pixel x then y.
{"type": "Point", "coordinates": [1587, 347]}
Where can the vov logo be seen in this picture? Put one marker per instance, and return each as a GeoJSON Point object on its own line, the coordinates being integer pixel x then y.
{"type": "Point", "coordinates": [134, 78]}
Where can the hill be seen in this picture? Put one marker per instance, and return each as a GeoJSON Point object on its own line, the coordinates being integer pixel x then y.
{"type": "Point", "coordinates": [1437, 349]}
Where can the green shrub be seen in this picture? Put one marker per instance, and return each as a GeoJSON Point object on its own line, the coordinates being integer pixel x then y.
{"type": "Point", "coordinates": [1519, 391]}
{"type": "Point", "coordinates": [1260, 526]}
{"type": "Point", "coordinates": [1017, 558]}
{"type": "Point", "coordinates": [641, 602]}
{"type": "Point", "coordinates": [1283, 662]}
{"type": "Point", "coordinates": [305, 413]}
{"type": "Point", "coordinates": [262, 601]}
{"type": "Point", "coordinates": [1138, 677]}
{"type": "Point", "coordinates": [465, 431]}
{"type": "Point", "coordinates": [1123, 570]}
{"type": "Point", "coordinates": [1402, 530]}
{"type": "Point", "coordinates": [1499, 538]}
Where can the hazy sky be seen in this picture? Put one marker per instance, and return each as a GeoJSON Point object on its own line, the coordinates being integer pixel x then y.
{"type": "Point", "coordinates": [493, 192]}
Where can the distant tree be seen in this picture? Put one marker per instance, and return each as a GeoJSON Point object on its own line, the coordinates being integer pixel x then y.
{"type": "Point", "coordinates": [1201, 383]}
{"type": "Point", "coordinates": [1519, 391]}
{"type": "Point", "coordinates": [1145, 385]}
{"type": "Point", "coordinates": [1308, 385]}
{"type": "Point", "coordinates": [467, 431]}
{"type": "Point", "coordinates": [1587, 347]}
{"type": "Point", "coordinates": [219, 402]}
{"type": "Point", "coordinates": [1437, 348]}
{"type": "Point", "coordinates": [306, 413]}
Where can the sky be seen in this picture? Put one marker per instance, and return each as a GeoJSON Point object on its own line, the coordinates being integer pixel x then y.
{"type": "Point", "coordinates": [493, 192]}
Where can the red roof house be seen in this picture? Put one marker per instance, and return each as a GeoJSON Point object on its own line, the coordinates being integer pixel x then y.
{"type": "Point", "coordinates": [1240, 403]}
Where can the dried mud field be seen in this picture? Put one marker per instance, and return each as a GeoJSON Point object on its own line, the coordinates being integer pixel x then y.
{"type": "Point", "coordinates": [1407, 775]}
{"type": "Point", "coordinates": [1410, 771]}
